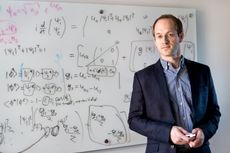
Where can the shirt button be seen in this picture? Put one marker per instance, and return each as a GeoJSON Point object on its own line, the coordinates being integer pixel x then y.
{"type": "Point", "coordinates": [172, 146]}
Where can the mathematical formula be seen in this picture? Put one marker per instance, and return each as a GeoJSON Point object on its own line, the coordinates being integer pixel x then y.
{"type": "Point", "coordinates": [67, 70]}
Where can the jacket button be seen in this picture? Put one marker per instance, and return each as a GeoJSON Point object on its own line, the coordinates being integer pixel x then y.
{"type": "Point", "coordinates": [172, 146]}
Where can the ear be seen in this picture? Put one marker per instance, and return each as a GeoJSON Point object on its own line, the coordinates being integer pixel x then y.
{"type": "Point", "coordinates": [181, 37]}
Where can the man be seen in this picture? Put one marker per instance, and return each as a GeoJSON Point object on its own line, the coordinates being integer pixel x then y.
{"type": "Point", "coordinates": [174, 102]}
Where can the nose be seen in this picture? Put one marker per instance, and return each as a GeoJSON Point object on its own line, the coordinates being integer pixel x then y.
{"type": "Point", "coordinates": [166, 39]}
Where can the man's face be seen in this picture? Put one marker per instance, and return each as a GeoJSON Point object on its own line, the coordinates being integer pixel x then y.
{"type": "Point", "coordinates": [166, 39]}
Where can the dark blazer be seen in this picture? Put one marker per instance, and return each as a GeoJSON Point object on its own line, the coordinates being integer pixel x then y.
{"type": "Point", "coordinates": [151, 113]}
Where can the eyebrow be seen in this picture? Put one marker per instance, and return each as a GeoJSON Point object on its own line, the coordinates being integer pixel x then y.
{"type": "Point", "coordinates": [166, 32]}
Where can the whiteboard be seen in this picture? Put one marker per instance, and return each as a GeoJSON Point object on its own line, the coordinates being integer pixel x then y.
{"type": "Point", "coordinates": [67, 72]}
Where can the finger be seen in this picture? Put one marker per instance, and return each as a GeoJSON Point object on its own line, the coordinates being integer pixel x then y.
{"type": "Point", "coordinates": [183, 130]}
{"type": "Point", "coordinates": [182, 135]}
{"type": "Point", "coordinates": [181, 141]}
{"type": "Point", "coordinates": [191, 145]}
{"type": "Point", "coordinates": [177, 135]}
{"type": "Point", "coordinates": [196, 131]}
{"type": "Point", "coordinates": [195, 143]}
{"type": "Point", "coordinates": [184, 138]}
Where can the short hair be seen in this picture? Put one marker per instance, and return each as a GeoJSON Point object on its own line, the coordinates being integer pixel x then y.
{"type": "Point", "coordinates": [177, 23]}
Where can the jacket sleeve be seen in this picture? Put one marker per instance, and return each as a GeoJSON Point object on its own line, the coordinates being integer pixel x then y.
{"type": "Point", "coordinates": [209, 124]}
{"type": "Point", "coordinates": [139, 121]}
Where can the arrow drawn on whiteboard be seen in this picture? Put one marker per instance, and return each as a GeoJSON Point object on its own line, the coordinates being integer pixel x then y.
{"type": "Point", "coordinates": [117, 42]}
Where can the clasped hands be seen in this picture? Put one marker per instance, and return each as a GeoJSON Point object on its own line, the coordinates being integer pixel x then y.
{"type": "Point", "coordinates": [178, 137]}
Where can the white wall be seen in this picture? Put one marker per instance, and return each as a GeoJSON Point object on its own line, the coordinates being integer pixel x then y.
{"type": "Point", "coordinates": [213, 31]}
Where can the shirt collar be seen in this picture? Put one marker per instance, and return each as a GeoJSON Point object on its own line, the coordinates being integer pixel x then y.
{"type": "Point", "coordinates": [166, 65]}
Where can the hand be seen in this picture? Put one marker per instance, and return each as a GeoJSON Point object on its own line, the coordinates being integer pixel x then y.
{"type": "Point", "coordinates": [199, 139]}
{"type": "Point", "coordinates": [177, 135]}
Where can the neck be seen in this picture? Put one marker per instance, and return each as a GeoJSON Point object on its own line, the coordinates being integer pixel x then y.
{"type": "Point", "coordinates": [175, 61]}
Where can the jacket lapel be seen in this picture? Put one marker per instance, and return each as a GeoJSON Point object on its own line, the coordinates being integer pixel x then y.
{"type": "Point", "coordinates": [191, 71]}
{"type": "Point", "coordinates": [162, 80]}
{"type": "Point", "coordinates": [163, 88]}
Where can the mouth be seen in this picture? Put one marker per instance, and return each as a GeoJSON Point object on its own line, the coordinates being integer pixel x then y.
{"type": "Point", "coordinates": [165, 47]}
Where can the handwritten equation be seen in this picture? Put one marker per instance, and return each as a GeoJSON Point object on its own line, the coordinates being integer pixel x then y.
{"type": "Point", "coordinates": [67, 72]}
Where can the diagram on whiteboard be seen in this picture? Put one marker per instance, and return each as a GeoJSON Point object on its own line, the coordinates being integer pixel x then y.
{"type": "Point", "coordinates": [67, 72]}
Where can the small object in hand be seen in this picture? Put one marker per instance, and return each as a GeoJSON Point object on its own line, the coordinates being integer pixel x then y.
{"type": "Point", "coordinates": [190, 135]}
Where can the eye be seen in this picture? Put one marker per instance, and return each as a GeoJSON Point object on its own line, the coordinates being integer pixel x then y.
{"type": "Point", "coordinates": [159, 36]}
{"type": "Point", "coordinates": [171, 34]}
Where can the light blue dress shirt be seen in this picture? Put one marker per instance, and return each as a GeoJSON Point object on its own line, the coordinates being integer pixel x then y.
{"type": "Point", "coordinates": [180, 92]}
